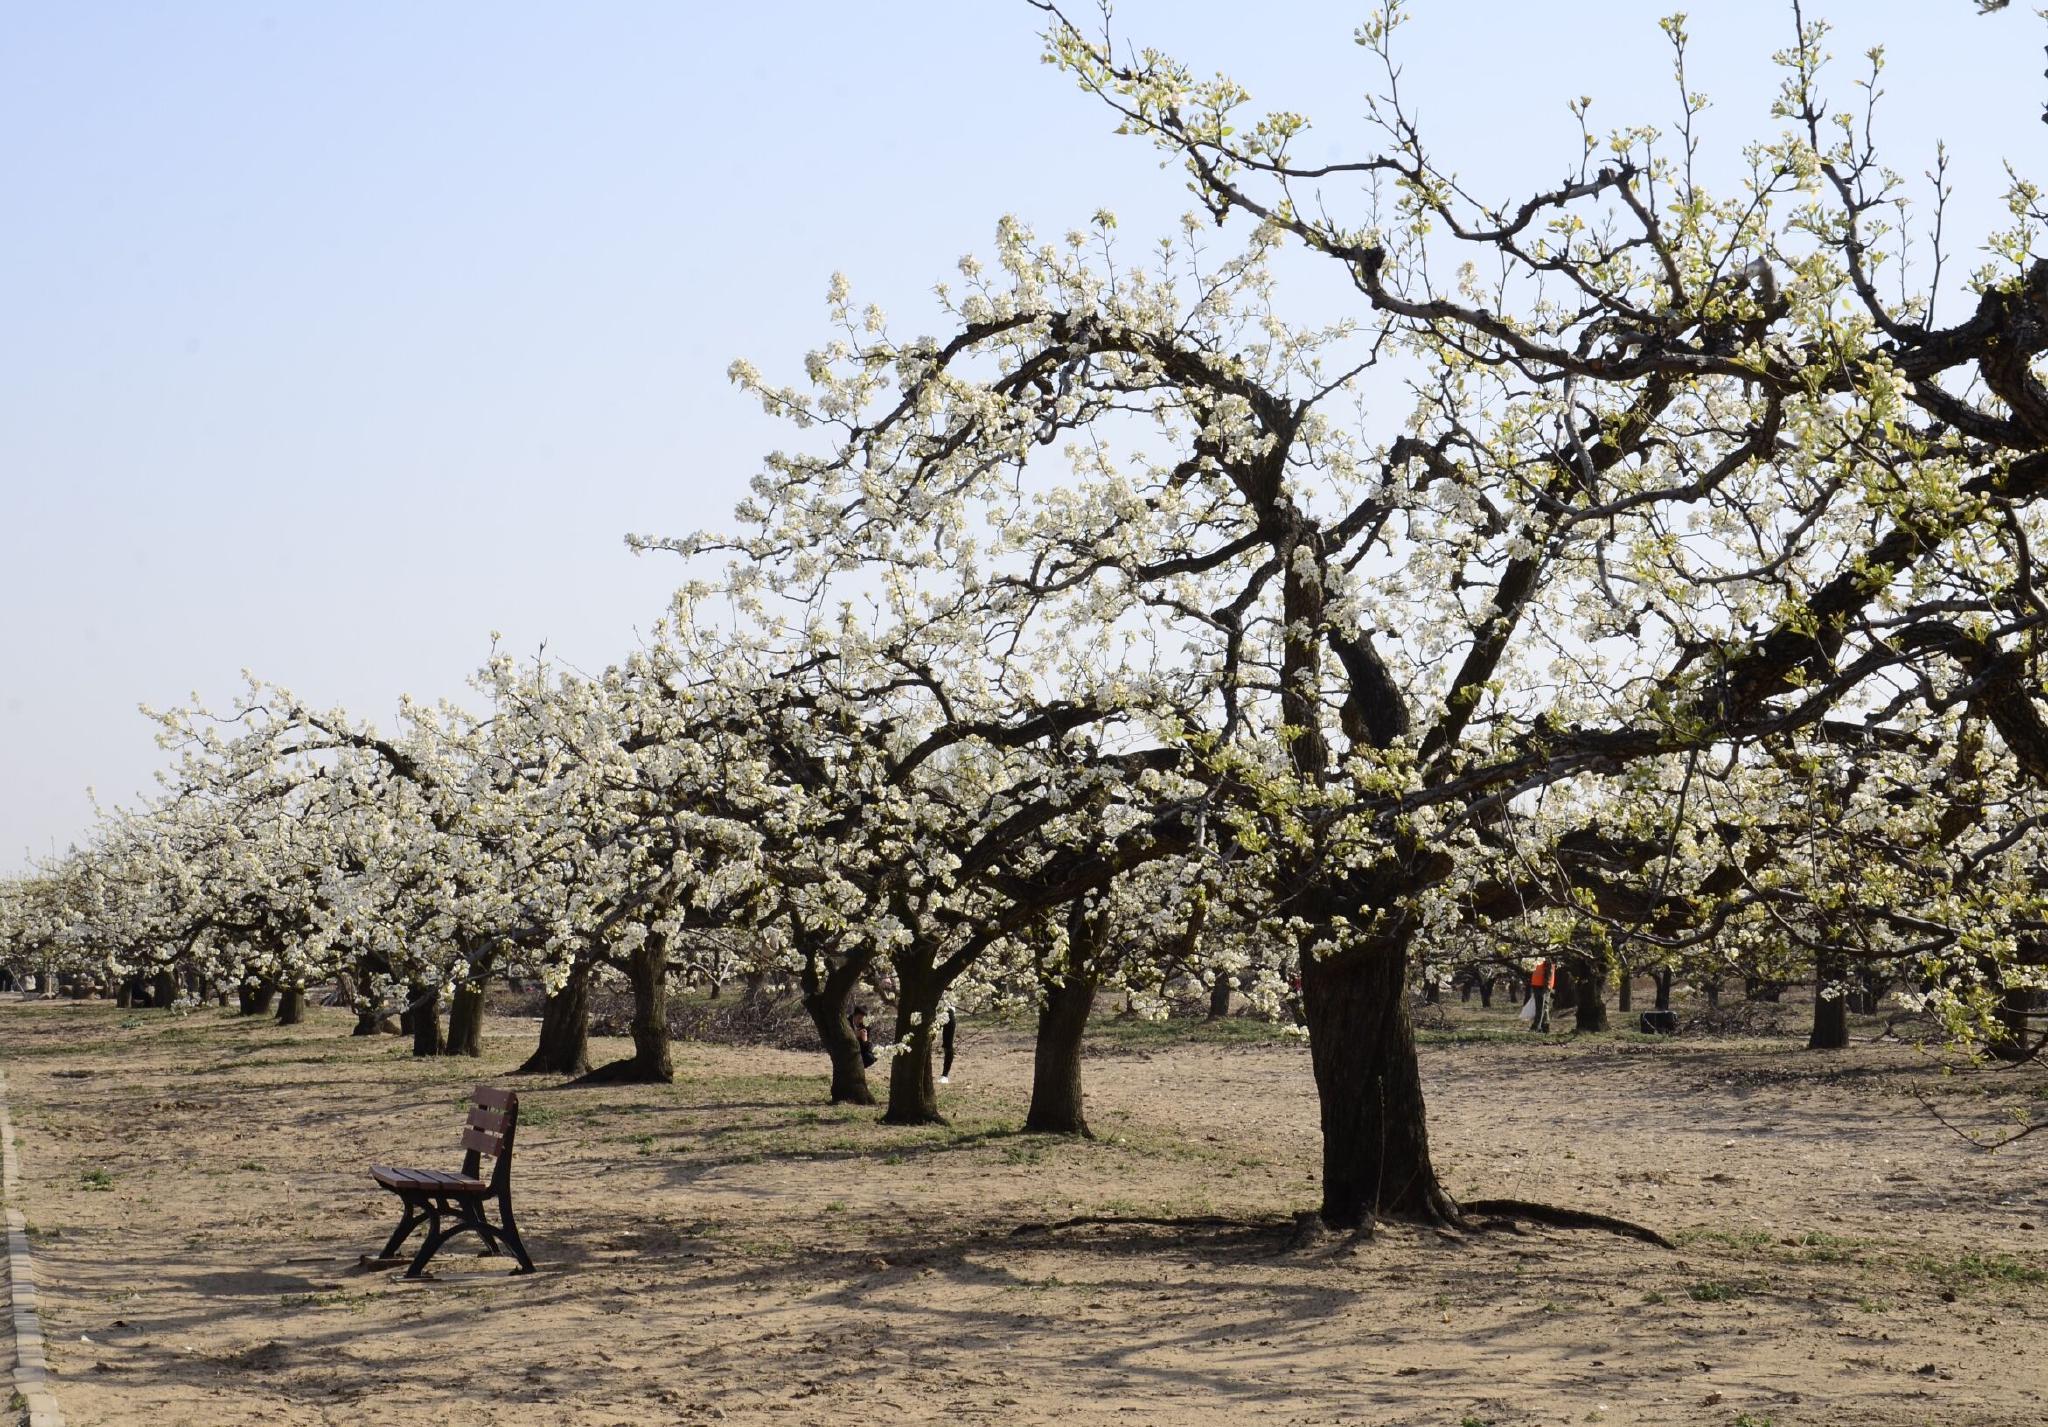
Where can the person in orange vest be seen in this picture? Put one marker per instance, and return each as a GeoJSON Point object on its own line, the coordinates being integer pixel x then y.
{"type": "Point", "coordinates": [1540, 981]}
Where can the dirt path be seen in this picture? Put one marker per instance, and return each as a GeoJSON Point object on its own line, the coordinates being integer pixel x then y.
{"type": "Point", "coordinates": [728, 1249]}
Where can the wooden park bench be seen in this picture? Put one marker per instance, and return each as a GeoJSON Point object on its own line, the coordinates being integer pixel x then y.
{"type": "Point", "coordinates": [450, 1204]}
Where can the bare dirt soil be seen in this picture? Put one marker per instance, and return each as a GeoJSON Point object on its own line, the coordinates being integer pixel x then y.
{"type": "Point", "coordinates": [730, 1249]}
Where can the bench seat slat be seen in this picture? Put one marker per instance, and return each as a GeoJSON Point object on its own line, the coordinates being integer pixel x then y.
{"type": "Point", "coordinates": [430, 1181]}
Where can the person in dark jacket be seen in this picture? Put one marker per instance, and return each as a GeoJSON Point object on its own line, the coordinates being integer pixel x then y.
{"type": "Point", "coordinates": [858, 1023]}
{"type": "Point", "coordinates": [946, 1046]}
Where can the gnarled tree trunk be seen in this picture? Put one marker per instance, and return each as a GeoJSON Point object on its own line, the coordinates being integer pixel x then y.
{"type": "Point", "coordinates": [650, 1063]}
{"type": "Point", "coordinates": [466, 1020]}
{"type": "Point", "coordinates": [1590, 1010]}
{"type": "Point", "coordinates": [913, 1091]}
{"type": "Point", "coordinates": [291, 1006]}
{"type": "Point", "coordinates": [1830, 1005]}
{"type": "Point", "coordinates": [1056, 1107]}
{"type": "Point", "coordinates": [255, 997]}
{"type": "Point", "coordinates": [564, 1047]}
{"type": "Point", "coordinates": [426, 1021]}
{"type": "Point", "coordinates": [825, 1001]}
{"type": "Point", "coordinates": [1375, 1129]}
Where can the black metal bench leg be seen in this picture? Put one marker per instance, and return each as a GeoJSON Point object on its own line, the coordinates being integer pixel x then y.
{"type": "Point", "coordinates": [508, 1230]}
{"type": "Point", "coordinates": [432, 1246]}
{"type": "Point", "coordinates": [412, 1218]}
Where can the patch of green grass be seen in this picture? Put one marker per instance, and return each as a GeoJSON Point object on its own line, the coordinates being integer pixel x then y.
{"type": "Point", "coordinates": [1473, 1419]}
{"type": "Point", "coordinates": [1119, 1033]}
{"type": "Point", "coordinates": [1712, 1290]}
{"type": "Point", "coordinates": [1746, 1240]}
{"type": "Point", "coordinates": [1819, 1247]}
{"type": "Point", "coordinates": [1753, 1419]}
{"type": "Point", "coordinates": [1484, 1034]}
{"type": "Point", "coordinates": [254, 1166]}
{"type": "Point", "coordinates": [96, 1179]}
{"type": "Point", "coordinates": [1975, 1268]}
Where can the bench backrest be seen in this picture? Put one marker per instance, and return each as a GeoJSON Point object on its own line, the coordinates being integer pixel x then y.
{"type": "Point", "coordinates": [493, 1120]}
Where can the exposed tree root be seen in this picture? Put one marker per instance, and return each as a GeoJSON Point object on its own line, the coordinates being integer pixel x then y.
{"type": "Point", "coordinates": [1192, 1221]}
{"type": "Point", "coordinates": [624, 1072]}
{"type": "Point", "coordinates": [1564, 1218]}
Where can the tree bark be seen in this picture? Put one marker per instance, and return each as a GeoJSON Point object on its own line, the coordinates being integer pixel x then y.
{"type": "Point", "coordinates": [426, 1021]}
{"type": "Point", "coordinates": [1219, 999]}
{"type": "Point", "coordinates": [564, 1047]}
{"type": "Point", "coordinates": [466, 1020]}
{"type": "Point", "coordinates": [291, 1006]}
{"type": "Point", "coordinates": [1590, 1009]}
{"type": "Point", "coordinates": [255, 997]}
{"type": "Point", "coordinates": [913, 1091]}
{"type": "Point", "coordinates": [163, 989]}
{"type": "Point", "coordinates": [1624, 991]}
{"type": "Point", "coordinates": [1662, 976]}
{"type": "Point", "coordinates": [1830, 1012]}
{"type": "Point", "coordinates": [825, 999]}
{"type": "Point", "coordinates": [1056, 1106]}
{"type": "Point", "coordinates": [1375, 1130]}
{"type": "Point", "coordinates": [650, 1063]}
{"type": "Point", "coordinates": [2016, 1043]}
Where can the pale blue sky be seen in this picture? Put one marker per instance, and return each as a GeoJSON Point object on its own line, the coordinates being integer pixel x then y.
{"type": "Point", "coordinates": [336, 337]}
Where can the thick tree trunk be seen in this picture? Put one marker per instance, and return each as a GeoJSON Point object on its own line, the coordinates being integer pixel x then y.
{"type": "Point", "coordinates": [1590, 1010]}
{"type": "Point", "coordinates": [1219, 999]}
{"type": "Point", "coordinates": [564, 1047]}
{"type": "Point", "coordinates": [1624, 991]}
{"type": "Point", "coordinates": [255, 997]}
{"type": "Point", "coordinates": [1662, 976]}
{"type": "Point", "coordinates": [124, 994]}
{"type": "Point", "coordinates": [1486, 992]}
{"type": "Point", "coordinates": [1056, 1107]}
{"type": "Point", "coordinates": [650, 1063]}
{"type": "Point", "coordinates": [913, 1091]}
{"type": "Point", "coordinates": [2016, 1042]}
{"type": "Point", "coordinates": [1375, 1130]}
{"type": "Point", "coordinates": [466, 1020]}
{"type": "Point", "coordinates": [163, 989]}
{"type": "Point", "coordinates": [1830, 1011]}
{"type": "Point", "coordinates": [825, 1000]}
{"type": "Point", "coordinates": [291, 1006]}
{"type": "Point", "coordinates": [426, 1022]}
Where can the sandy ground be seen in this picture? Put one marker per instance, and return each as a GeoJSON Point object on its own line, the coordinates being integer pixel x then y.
{"type": "Point", "coordinates": [730, 1249]}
